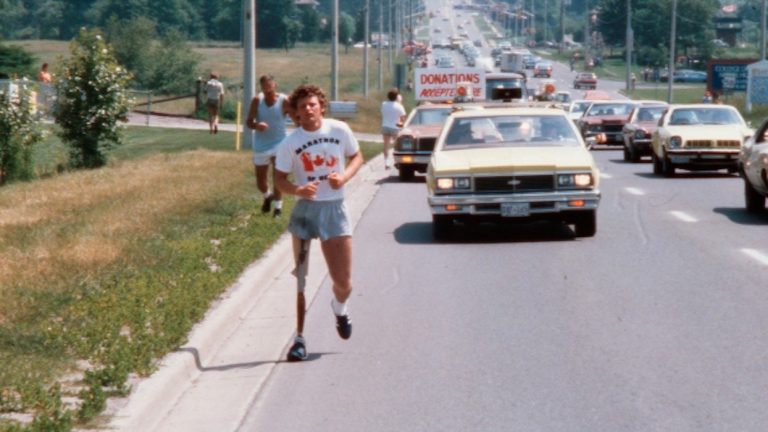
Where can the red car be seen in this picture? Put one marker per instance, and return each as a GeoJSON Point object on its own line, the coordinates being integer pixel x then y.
{"type": "Point", "coordinates": [415, 142]}
{"type": "Point", "coordinates": [604, 121]}
{"type": "Point", "coordinates": [585, 80]}
{"type": "Point", "coordinates": [639, 128]}
{"type": "Point", "coordinates": [543, 69]}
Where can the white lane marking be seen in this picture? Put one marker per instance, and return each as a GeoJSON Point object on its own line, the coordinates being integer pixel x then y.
{"type": "Point", "coordinates": [605, 176]}
{"type": "Point", "coordinates": [756, 255]}
{"type": "Point", "coordinates": [634, 191]}
{"type": "Point", "coordinates": [685, 217]}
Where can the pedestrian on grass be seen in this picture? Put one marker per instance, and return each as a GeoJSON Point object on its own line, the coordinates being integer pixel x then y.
{"type": "Point", "coordinates": [214, 90]}
{"type": "Point", "coordinates": [392, 119]}
{"type": "Point", "coordinates": [266, 116]}
{"type": "Point", "coordinates": [322, 155]}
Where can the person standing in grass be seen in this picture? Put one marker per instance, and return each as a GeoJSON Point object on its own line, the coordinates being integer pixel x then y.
{"type": "Point", "coordinates": [392, 118]}
{"type": "Point", "coordinates": [322, 155]}
{"type": "Point", "coordinates": [266, 116]}
{"type": "Point", "coordinates": [214, 90]}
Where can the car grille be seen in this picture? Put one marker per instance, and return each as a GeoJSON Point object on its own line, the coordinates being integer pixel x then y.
{"type": "Point", "coordinates": [426, 144]}
{"type": "Point", "coordinates": [546, 205]}
{"type": "Point", "coordinates": [698, 143]}
{"type": "Point", "coordinates": [515, 184]}
{"type": "Point", "coordinates": [728, 143]}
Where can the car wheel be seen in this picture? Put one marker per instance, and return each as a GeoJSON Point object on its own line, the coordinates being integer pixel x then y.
{"type": "Point", "coordinates": [633, 155]}
{"type": "Point", "coordinates": [667, 169]}
{"type": "Point", "coordinates": [586, 224]}
{"type": "Point", "coordinates": [755, 201]}
{"type": "Point", "coordinates": [442, 226]}
{"type": "Point", "coordinates": [656, 164]}
{"type": "Point", "coordinates": [405, 173]}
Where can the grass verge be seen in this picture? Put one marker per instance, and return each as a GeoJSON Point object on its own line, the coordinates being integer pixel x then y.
{"type": "Point", "coordinates": [104, 271]}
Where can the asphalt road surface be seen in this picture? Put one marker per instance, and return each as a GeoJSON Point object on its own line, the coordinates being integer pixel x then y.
{"type": "Point", "coordinates": [657, 323]}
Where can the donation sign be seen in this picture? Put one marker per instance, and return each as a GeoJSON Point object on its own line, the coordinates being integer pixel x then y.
{"type": "Point", "coordinates": [440, 84]}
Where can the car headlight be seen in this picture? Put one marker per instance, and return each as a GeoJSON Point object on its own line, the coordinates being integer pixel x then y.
{"type": "Point", "coordinates": [405, 143]}
{"type": "Point", "coordinates": [448, 183]}
{"type": "Point", "coordinates": [675, 142]}
{"type": "Point", "coordinates": [574, 180]}
{"type": "Point", "coordinates": [640, 134]}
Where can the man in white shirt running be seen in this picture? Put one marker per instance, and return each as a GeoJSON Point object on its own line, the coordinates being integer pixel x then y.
{"type": "Point", "coordinates": [322, 155]}
{"type": "Point", "coordinates": [392, 118]}
{"type": "Point", "coordinates": [214, 90]}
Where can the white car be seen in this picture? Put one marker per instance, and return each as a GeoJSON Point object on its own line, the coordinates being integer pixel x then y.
{"type": "Point", "coordinates": [698, 137]}
{"type": "Point", "coordinates": [753, 167]}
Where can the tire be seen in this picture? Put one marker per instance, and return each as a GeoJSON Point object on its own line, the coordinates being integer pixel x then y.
{"type": "Point", "coordinates": [656, 164]}
{"type": "Point", "coordinates": [586, 224]}
{"type": "Point", "coordinates": [442, 226]}
{"type": "Point", "coordinates": [633, 156]}
{"type": "Point", "coordinates": [755, 202]}
{"type": "Point", "coordinates": [405, 173]}
{"type": "Point", "coordinates": [667, 169]}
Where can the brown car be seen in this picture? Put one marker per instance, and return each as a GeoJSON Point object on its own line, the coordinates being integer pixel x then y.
{"type": "Point", "coordinates": [639, 129]}
{"type": "Point", "coordinates": [416, 140]}
{"type": "Point", "coordinates": [604, 121]}
{"type": "Point", "coordinates": [586, 80]}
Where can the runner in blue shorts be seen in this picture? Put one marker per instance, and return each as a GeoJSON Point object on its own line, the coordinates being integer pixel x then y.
{"type": "Point", "coordinates": [322, 155]}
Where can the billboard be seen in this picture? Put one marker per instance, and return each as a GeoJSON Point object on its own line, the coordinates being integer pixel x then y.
{"type": "Point", "coordinates": [728, 75]}
{"type": "Point", "coordinates": [440, 84]}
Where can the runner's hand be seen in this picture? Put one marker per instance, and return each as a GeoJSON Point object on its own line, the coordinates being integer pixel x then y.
{"type": "Point", "coordinates": [261, 126]}
{"type": "Point", "coordinates": [336, 180]}
{"type": "Point", "coordinates": [308, 191]}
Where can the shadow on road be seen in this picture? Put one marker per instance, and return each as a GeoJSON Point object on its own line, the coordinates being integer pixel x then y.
{"type": "Point", "coordinates": [247, 365]}
{"type": "Point", "coordinates": [741, 216]}
{"type": "Point", "coordinates": [476, 233]}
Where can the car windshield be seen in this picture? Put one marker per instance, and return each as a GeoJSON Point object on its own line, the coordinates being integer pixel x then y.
{"type": "Point", "coordinates": [611, 109]}
{"type": "Point", "coordinates": [651, 113]}
{"type": "Point", "coordinates": [512, 131]}
{"type": "Point", "coordinates": [491, 84]}
{"type": "Point", "coordinates": [578, 107]}
{"type": "Point", "coordinates": [698, 116]}
{"type": "Point", "coordinates": [429, 116]}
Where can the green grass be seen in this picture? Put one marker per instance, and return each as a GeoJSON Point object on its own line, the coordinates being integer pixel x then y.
{"type": "Point", "coordinates": [94, 319]}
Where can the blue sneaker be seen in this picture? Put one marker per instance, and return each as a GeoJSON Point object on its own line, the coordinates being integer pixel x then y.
{"type": "Point", "coordinates": [298, 351]}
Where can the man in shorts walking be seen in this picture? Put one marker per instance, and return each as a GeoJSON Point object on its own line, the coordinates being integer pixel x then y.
{"type": "Point", "coordinates": [323, 155]}
{"type": "Point", "coordinates": [266, 116]}
{"type": "Point", "coordinates": [214, 90]}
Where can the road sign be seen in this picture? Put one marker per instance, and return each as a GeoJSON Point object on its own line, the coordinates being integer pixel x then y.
{"type": "Point", "coordinates": [757, 84]}
{"type": "Point", "coordinates": [728, 75]}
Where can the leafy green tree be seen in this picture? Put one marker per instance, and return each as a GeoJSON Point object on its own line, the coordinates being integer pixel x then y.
{"type": "Point", "coordinates": [20, 133]}
{"type": "Point", "coordinates": [271, 28]}
{"type": "Point", "coordinates": [15, 62]}
{"type": "Point", "coordinates": [92, 99]}
{"type": "Point", "coordinates": [310, 25]}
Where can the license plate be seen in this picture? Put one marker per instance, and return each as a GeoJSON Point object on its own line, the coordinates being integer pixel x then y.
{"type": "Point", "coordinates": [715, 156]}
{"type": "Point", "coordinates": [680, 159]}
{"type": "Point", "coordinates": [515, 209]}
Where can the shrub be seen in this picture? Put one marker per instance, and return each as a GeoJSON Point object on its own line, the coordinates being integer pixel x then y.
{"type": "Point", "coordinates": [92, 98]}
{"type": "Point", "coordinates": [17, 119]}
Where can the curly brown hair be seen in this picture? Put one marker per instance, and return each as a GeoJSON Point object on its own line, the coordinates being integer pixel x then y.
{"type": "Point", "coordinates": [308, 90]}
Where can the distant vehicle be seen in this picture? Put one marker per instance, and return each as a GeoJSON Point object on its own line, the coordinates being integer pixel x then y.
{"type": "Point", "coordinates": [530, 61]}
{"type": "Point", "coordinates": [603, 122]}
{"type": "Point", "coordinates": [478, 43]}
{"type": "Point", "coordinates": [719, 43]}
{"type": "Point", "coordinates": [585, 80]}
{"type": "Point", "coordinates": [595, 95]}
{"type": "Point", "coordinates": [513, 83]}
{"type": "Point", "coordinates": [685, 75]}
{"type": "Point", "coordinates": [698, 137]}
{"type": "Point", "coordinates": [415, 142]}
{"type": "Point", "coordinates": [512, 62]}
{"type": "Point", "coordinates": [446, 62]}
{"type": "Point", "coordinates": [543, 69]}
{"type": "Point", "coordinates": [639, 129]}
{"type": "Point", "coordinates": [753, 166]}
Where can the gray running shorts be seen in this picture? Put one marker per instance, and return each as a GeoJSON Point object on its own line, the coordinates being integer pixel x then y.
{"type": "Point", "coordinates": [319, 219]}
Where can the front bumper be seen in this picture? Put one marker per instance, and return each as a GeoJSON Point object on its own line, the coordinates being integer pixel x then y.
{"type": "Point", "coordinates": [606, 138]}
{"type": "Point", "coordinates": [418, 161]}
{"type": "Point", "coordinates": [642, 146]}
{"type": "Point", "coordinates": [703, 159]}
{"type": "Point", "coordinates": [539, 204]}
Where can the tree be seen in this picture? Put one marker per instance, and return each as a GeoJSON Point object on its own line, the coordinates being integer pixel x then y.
{"type": "Point", "coordinates": [272, 17]}
{"type": "Point", "coordinates": [92, 99]}
{"type": "Point", "coordinates": [20, 133]}
{"type": "Point", "coordinates": [15, 62]}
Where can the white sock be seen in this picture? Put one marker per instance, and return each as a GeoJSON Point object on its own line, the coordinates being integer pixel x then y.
{"type": "Point", "coordinates": [339, 308]}
{"type": "Point", "coordinates": [278, 204]}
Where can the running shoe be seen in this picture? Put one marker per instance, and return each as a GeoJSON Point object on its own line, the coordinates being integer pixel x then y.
{"type": "Point", "coordinates": [277, 213]}
{"type": "Point", "coordinates": [344, 326]}
{"type": "Point", "coordinates": [298, 351]}
{"type": "Point", "coordinates": [267, 204]}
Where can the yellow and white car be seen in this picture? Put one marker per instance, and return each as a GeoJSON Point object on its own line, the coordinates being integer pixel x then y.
{"type": "Point", "coordinates": [753, 167]}
{"type": "Point", "coordinates": [698, 137]}
{"type": "Point", "coordinates": [515, 164]}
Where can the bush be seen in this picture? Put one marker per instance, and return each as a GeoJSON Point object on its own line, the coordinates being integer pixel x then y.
{"type": "Point", "coordinates": [17, 118]}
{"type": "Point", "coordinates": [92, 99]}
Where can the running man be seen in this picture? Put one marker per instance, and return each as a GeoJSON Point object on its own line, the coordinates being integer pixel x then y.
{"type": "Point", "coordinates": [323, 155]}
{"type": "Point", "coordinates": [214, 89]}
{"type": "Point", "coordinates": [266, 116]}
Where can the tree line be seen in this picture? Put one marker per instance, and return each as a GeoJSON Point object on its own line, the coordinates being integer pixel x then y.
{"type": "Point", "coordinates": [280, 23]}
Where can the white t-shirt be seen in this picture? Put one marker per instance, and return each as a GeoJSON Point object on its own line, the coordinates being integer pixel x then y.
{"type": "Point", "coordinates": [314, 155]}
{"type": "Point", "coordinates": [214, 88]}
{"type": "Point", "coordinates": [391, 111]}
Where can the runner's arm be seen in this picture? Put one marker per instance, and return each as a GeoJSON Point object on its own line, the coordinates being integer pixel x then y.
{"type": "Point", "coordinates": [306, 191]}
{"type": "Point", "coordinates": [253, 112]}
{"type": "Point", "coordinates": [337, 180]}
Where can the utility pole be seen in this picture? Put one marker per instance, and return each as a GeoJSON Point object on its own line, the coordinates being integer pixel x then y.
{"type": "Point", "coordinates": [381, 35]}
{"type": "Point", "coordinates": [562, 26]}
{"type": "Point", "coordinates": [335, 51]}
{"type": "Point", "coordinates": [367, 37]}
{"type": "Point", "coordinates": [249, 65]}
{"type": "Point", "coordinates": [587, 34]}
{"type": "Point", "coordinates": [671, 68]}
{"type": "Point", "coordinates": [629, 45]}
{"type": "Point", "coordinates": [762, 30]}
